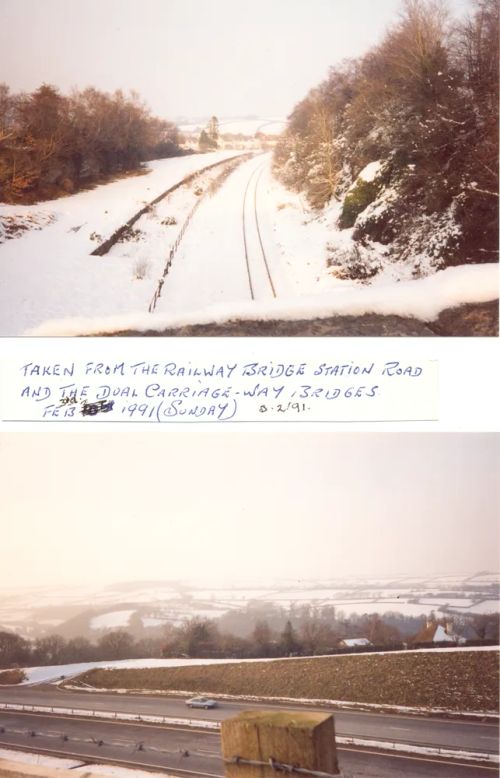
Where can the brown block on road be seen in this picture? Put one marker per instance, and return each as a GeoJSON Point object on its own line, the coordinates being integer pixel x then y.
{"type": "Point", "coordinates": [299, 738]}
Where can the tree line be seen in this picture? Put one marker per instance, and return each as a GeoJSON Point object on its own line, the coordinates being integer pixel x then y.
{"type": "Point", "coordinates": [425, 103]}
{"type": "Point", "coordinates": [16, 650]}
{"type": "Point", "coordinates": [52, 144]}
{"type": "Point", "coordinates": [301, 631]}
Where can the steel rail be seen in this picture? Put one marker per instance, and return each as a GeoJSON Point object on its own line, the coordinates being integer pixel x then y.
{"type": "Point", "coordinates": [261, 170]}
{"type": "Point", "coordinates": [257, 172]}
{"type": "Point", "coordinates": [245, 245]}
{"type": "Point", "coordinates": [227, 169]}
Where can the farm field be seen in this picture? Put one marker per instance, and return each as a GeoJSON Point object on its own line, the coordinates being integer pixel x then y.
{"type": "Point", "coordinates": [34, 612]}
{"type": "Point", "coordinates": [448, 680]}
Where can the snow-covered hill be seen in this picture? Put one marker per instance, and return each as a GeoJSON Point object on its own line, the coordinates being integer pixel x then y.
{"type": "Point", "coordinates": [247, 126]}
{"type": "Point", "coordinates": [93, 611]}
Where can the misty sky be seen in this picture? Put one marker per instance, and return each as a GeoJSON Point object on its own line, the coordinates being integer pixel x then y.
{"type": "Point", "coordinates": [98, 508]}
{"type": "Point", "coordinates": [190, 57]}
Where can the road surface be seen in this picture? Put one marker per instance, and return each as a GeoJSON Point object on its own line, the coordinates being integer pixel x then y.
{"type": "Point", "coordinates": [416, 730]}
{"type": "Point", "coordinates": [192, 752]}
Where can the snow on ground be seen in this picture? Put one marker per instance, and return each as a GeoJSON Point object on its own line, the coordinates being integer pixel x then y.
{"type": "Point", "coordinates": [454, 579]}
{"type": "Point", "coordinates": [13, 224]}
{"type": "Point", "coordinates": [359, 607]}
{"type": "Point", "coordinates": [458, 601]}
{"type": "Point", "coordinates": [54, 672]}
{"type": "Point", "coordinates": [487, 606]}
{"type": "Point", "coordinates": [248, 127]}
{"type": "Point", "coordinates": [23, 610]}
{"type": "Point", "coordinates": [208, 281]}
{"type": "Point", "coordinates": [450, 753]}
{"type": "Point", "coordinates": [209, 268]}
{"type": "Point", "coordinates": [111, 620]}
{"type": "Point", "coordinates": [424, 299]}
{"type": "Point", "coordinates": [52, 286]}
{"type": "Point", "coordinates": [315, 594]}
{"type": "Point", "coordinates": [486, 578]}
{"type": "Point", "coordinates": [371, 606]}
{"type": "Point", "coordinates": [149, 621]}
{"type": "Point", "coordinates": [122, 772]}
{"type": "Point", "coordinates": [139, 594]}
{"type": "Point", "coordinates": [230, 594]}
{"type": "Point", "coordinates": [76, 765]}
{"type": "Point", "coordinates": [371, 170]}
{"type": "Point", "coordinates": [51, 673]}
{"type": "Point", "coordinates": [49, 273]}
{"type": "Point", "coordinates": [38, 759]}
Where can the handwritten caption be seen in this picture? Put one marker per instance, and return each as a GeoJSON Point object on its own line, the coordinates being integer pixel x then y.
{"type": "Point", "coordinates": [223, 392]}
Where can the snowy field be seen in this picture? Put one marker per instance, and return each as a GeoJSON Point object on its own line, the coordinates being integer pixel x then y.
{"type": "Point", "coordinates": [48, 271]}
{"type": "Point", "coordinates": [51, 285]}
{"type": "Point", "coordinates": [248, 127]}
{"type": "Point", "coordinates": [112, 620]}
{"type": "Point", "coordinates": [36, 612]}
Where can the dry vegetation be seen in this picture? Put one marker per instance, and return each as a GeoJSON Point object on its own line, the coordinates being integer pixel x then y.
{"type": "Point", "coordinates": [457, 680]}
{"type": "Point", "coordinates": [11, 677]}
{"type": "Point", "coordinates": [464, 320]}
{"type": "Point", "coordinates": [53, 145]}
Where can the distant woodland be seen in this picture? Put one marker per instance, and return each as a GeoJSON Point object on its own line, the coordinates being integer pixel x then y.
{"type": "Point", "coordinates": [51, 144]}
{"type": "Point", "coordinates": [423, 103]}
{"type": "Point", "coordinates": [263, 631]}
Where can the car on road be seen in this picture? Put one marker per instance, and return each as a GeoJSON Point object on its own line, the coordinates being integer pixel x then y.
{"type": "Point", "coordinates": [201, 702]}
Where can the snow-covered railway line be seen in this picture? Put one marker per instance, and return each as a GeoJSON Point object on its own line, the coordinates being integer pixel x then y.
{"type": "Point", "coordinates": [260, 280]}
{"type": "Point", "coordinates": [223, 257]}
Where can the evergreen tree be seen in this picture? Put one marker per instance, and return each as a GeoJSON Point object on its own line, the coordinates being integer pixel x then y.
{"type": "Point", "coordinates": [209, 137]}
{"type": "Point", "coordinates": [213, 131]}
{"type": "Point", "coordinates": [204, 142]}
{"type": "Point", "coordinates": [288, 641]}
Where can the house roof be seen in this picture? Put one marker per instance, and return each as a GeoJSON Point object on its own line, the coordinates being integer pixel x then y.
{"type": "Point", "coordinates": [434, 632]}
{"type": "Point", "coordinates": [467, 631]}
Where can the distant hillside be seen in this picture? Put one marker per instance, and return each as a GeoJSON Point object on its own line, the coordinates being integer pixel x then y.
{"type": "Point", "coordinates": [145, 608]}
{"type": "Point", "coordinates": [246, 125]}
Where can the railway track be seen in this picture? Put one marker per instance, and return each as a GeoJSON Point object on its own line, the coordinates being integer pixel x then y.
{"type": "Point", "coordinates": [104, 247]}
{"type": "Point", "coordinates": [227, 169]}
{"type": "Point", "coordinates": [260, 281]}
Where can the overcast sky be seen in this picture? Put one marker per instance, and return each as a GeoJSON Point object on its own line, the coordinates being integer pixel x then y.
{"type": "Point", "coordinates": [98, 508]}
{"type": "Point", "coordinates": [190, 57]}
